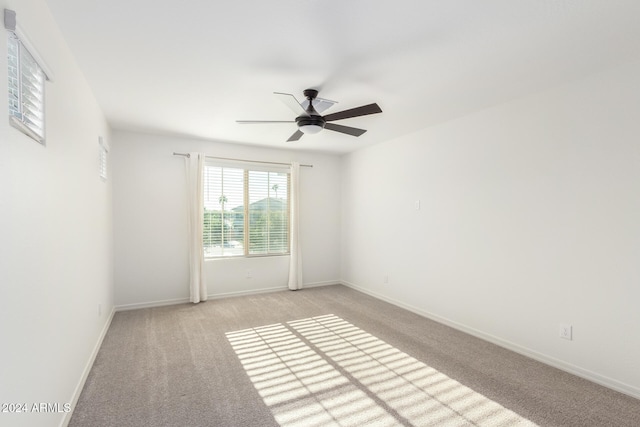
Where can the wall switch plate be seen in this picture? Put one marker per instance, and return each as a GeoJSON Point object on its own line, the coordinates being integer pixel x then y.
{"type": "Point", "coordinates": [566, 331]}
{"type": "Point", "coordinates": [417, 204]}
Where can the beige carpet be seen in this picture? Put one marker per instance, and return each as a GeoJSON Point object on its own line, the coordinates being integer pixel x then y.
{"type": "Point", "coordinates": [326, 356]}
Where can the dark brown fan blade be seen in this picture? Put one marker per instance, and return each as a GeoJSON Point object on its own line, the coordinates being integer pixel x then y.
{"type": "Point", "coordinates": [344, 129]}
{"type": "Point", "coordinates": [245, 122]}
{"type": "Point", "coordinates": [296, 136]}
{"type": "Point", "coordinates": [354, 112]}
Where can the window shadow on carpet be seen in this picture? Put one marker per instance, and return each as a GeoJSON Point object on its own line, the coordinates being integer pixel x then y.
{"type": "Point", "coordinates": [324, 371]}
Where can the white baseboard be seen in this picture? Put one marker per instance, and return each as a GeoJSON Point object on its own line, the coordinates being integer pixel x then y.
{"type": "Point", "coordinates": [150, 304]}
{"type": "Point", "coordinates": [540, 357]}
{"type": "Point", "coordinates": [247, 292]}
{"type": "Point", "coordinates": [274, 289]}
{"type": "Point", "coordinates": [325, 283]}
{"type": "Point", "coordinates": [87, 368]}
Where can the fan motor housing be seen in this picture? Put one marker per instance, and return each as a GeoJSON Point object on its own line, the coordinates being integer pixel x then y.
{"type": "Point", "coordinates": [310, 120]}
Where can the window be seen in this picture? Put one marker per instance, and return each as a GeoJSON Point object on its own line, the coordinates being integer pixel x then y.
{"type": "Point", "coordinates": [224, 212]}
{"type": "Point", "coordinates": [246, 211]}
{"type": "Point", "coordinates": [102, 165]}
{"type": "Point", "coordinates": [26, 89]}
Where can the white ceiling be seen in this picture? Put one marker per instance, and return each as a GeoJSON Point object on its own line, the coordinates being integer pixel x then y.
{"type": "Point", "coordinates": [192, 68]}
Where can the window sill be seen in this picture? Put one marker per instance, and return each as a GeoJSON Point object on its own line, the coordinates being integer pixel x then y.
{"type": "Point", "coordinates": [25, 130]}
{"type": "Point", "coordinates": [232, 257]}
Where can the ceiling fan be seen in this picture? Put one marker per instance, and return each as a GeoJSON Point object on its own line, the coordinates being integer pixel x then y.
{"type": "Point", "coordinates": [309, 119]}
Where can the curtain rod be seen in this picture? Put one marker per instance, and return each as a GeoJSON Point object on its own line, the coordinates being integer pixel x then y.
{"type": "Point", "coordinates": [241, 160]}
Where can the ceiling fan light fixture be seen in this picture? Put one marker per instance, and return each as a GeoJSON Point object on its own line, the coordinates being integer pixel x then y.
{"type": "Point", "coordinates": [310, 129]}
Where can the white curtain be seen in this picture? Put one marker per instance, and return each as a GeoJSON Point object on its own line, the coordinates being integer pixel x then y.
{"type": "Point", "coordinates": [295, 263]}
{"type": "Point", "coordinates": [197, 284]}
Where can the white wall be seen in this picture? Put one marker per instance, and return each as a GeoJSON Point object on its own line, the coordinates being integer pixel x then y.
{"type": "Point", "coordinates": [528, 218]}
{"type": "Point", "coordinates": [56, 262]}
{"type": "Point", "coordinates": [150, 222]}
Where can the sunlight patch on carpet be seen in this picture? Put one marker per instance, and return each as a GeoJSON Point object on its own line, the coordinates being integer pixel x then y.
{"type": "Point", "coordinates": [299, 386]}
{"type": "Point", "coordinates": [324, 371]}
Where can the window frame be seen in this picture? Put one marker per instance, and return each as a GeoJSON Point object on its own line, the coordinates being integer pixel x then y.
{"type": "Point", "coordinates": [25, 47]}
{"type": "Point", "coordinates": [246, 169]}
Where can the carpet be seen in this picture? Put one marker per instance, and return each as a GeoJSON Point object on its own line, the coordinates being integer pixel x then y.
{"type": "Point", "coordinates": [319, 357]}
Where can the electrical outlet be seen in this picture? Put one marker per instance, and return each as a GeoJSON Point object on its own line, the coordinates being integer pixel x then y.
{"type": "Point", "coordinates": [248, 274]}
{"type": "Point", "coordinates": [385, 279]}
{"type": "Point", "coordinates": [566, 331]}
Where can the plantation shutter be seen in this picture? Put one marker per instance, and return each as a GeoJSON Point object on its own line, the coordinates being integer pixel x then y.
{"type": "Point", "coordinates": [26, 89]}
{"type": "Point", "coordinates": [103, 166]}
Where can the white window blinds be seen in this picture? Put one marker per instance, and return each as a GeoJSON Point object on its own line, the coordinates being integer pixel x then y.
{"type": "Point", "coordinates": [224, 210]}
{"type": "Point", "coordinates": [268, 212]}
{"type": "Point", "coordinates": [246, 211]}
